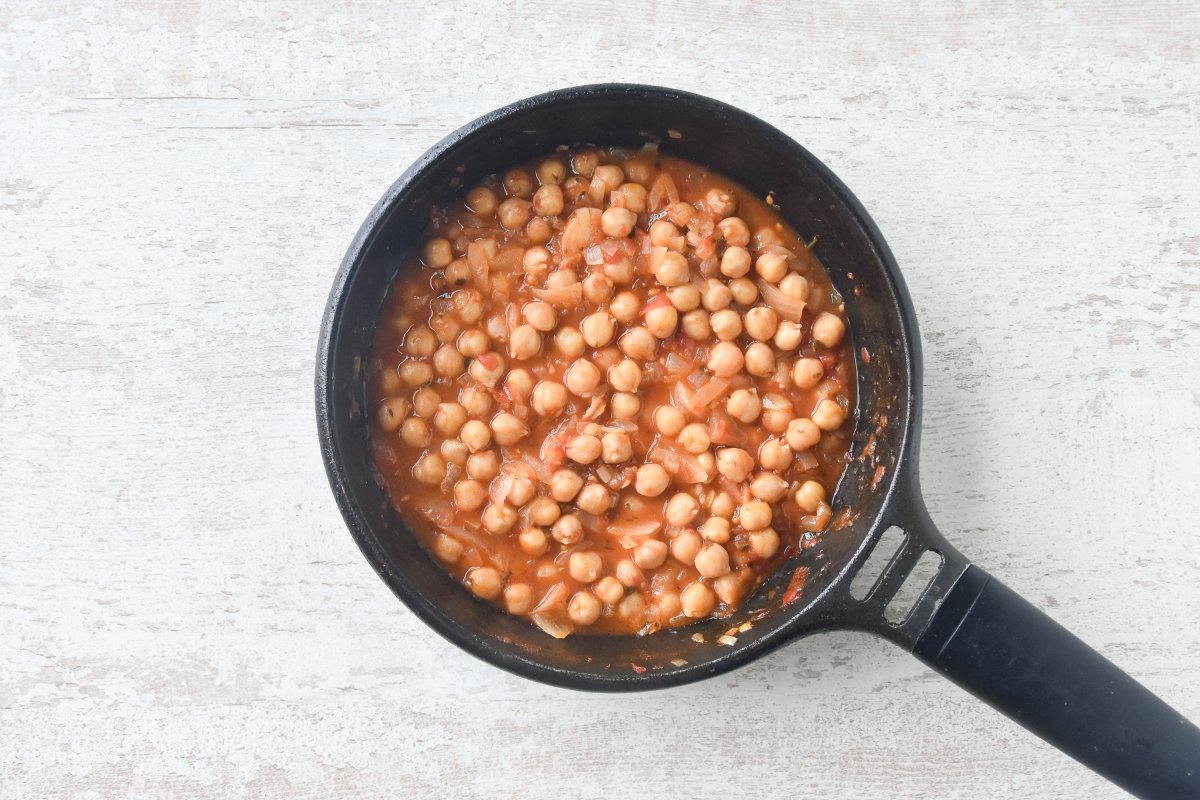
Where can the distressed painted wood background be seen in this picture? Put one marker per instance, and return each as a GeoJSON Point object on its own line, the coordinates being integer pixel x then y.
{"type": "Point", "coordinates": [182, 612]}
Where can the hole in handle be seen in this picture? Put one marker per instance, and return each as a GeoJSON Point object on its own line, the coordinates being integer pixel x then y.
{"type": "Point", "coordinates": [890, 541]}
{"type": "Point", "coordinates": [918, 580]}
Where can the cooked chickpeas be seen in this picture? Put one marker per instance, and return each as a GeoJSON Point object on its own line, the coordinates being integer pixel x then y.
{"type": "Point", "coordinates": [652, 480]}
{"type": "Point", "coordinates": [681, 509]}
{"type": "Point", "coordinates": [584, 608]}
{"type": "Point", "coordinates": [828, 329]}
{"type": "Point", "coordinates": [585, 566]}
{"type": "Point", "coordinates": [584, 449]}
{"type": "Point", "coordinates": [712, 561]}
{"type": "Point", "coordinates": [564, 485]}
{"type": "Point", "coordinates": [561, 353]}
{"type": "Point", "coordinates": [430, 469]}
{"type": "Point", "coordinates": [697, 600]}
{"type": "Point", "coordinates": [760, 360]}
{"type": "Point", "coordinates": [744, 405]}
{"type": "Point", "coordinates": [828, 415]}
{"type": "Point", "coordinates": [694, 438]}
{"type": "Point", "coordinates": [725, 360]}
{"type": "Point", "coordinates": [485, 582]}
{"type": "Point", "coordinates": [669, 420]}
{"type": "Point", "coordinates": [650, 554]}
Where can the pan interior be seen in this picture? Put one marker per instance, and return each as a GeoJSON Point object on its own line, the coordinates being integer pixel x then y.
{"type": "Point", "coordinates": [809, 197]}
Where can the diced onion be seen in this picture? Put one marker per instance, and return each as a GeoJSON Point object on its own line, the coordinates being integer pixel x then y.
{"type": "Point", "coordinates": [788, 307]}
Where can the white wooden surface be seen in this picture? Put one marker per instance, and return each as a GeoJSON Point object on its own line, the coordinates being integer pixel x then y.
{"type": "Point", "coordinates": [181, 610]}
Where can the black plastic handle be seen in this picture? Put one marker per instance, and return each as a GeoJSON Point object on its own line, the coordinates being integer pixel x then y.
{"type": "Point", "coordinates": [998, 647]}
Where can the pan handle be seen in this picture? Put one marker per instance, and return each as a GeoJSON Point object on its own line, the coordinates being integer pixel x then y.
{"type": "Point", "coordinates": [998, 647]}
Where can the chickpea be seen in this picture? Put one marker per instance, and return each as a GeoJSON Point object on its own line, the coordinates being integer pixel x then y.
{"type": "Point", "coordinates": [685, 298]}
{"type": "Point", "coordinates": [625, 307]}
{"type": "Point", "coordinates": [618, 223]}
{"type": "Point", "coordinates": [697, 600]}
{"type": "Point", "coordinates": [609, 590]}
{"type": "Point", "coordinates": [771, 267]}
{"type": "Point", "coordinates": [668, 606]}
{"type": "Point", "coordinates": [584, 449]}
{"type": "Point", "coordinates": [518, 183]}
{"type": "Point", "coordinates": [694, 438]}
{"type": "Point", "coordinates": [483, 466]}
{"type": "Point", "coordinates": [764, 543]}
{"type": "Point", "coordinates": [760, 360]}
{"type": "Point", "coordinates": [755, 515]}
{"type": "Point", "coordinates": [536, 263]}
{"type": "Point", "coordinates": [760, 323]}
{"type": "Point", "coordinates": [725, 359]}
{"type": "Point", "coordinates": [447, 548]}
{"type": "Point", "coordinates": [610, 175]}
{"type": "Point", "coordinates": [625, 376]}
{"type": "Point", "coordinates": [631, 196]}
{"type": "Point", "coordinates": [734, 231]}
{"type": "Point", "coordinates": [795, 285]}
{"type": "Point", "coordinates": [420, 341]}
{"type": "Point", "coordinates": [669, 420]}
{"type": "Point", "coordinates": [652, 480]}
{"type": "Point", "coordinates": [598, 328]}
{"type": "Point", "coordinates": [629, 574]}
{"type": "Point", "coordinates": [662, 321]}
{"type": "Point", "coordinates": [695, 324]}
{"type": "Point", "coordinates": [415, 373]}
{"type": "Point", "coordinates": [650, 554]}
{"type": "Point", "coordinates": [457, 272]}
{"type": "Point", "coordinates": [777, 413]}
{"type": "Point", "coordinates": [548, 201]}
{"type": "Point", "coordinates": [472, 343]}
{"type": "Point", "coordinates": [448, 362]}
{"type": "Point", "coordinates": [810, 496]}
{"type": "Point", "coordinates": [520, 383]}
{"type": "Point", "coordinates": [720, 202]}
{"type": "Point", "coordinates": [768, 486]}
{"type": "Point", "coordinates": [672, 270]}
{"type": "Point", "coordinates": [807, 372]}
{"type": "Point", "coordinates": [722, 504]}
{"type": "Point", "coordinates": [716, 295]}
{"type": "Point", "coordinates": [518, 598]}
{"type": "Point", "coordinates": [663, 233]}
{"type": "Point", "coordinates": [454, 451]}
{"type": "Point", "coordinates": [788, 335]}
{"type": "Point", "coordinates": [567, 530]}
{"type": "Point", "coordinates": [584, 566]}
{"type": "Point", "coordinates": [619, 271]}
{"type": "Point", "coordinates": [802, 434]}
{"type": "Point", "coordinates": [716, 529]}
{"type": "Point", "coordinates": [639, 170]}
{"type": "Point", "coordinates": [507, 429]}
{"type": "Point", "coordinates": [681, 510]}
{"type": "Point", "coordinates": [437, 253]}
{"type": "Point", "coordinates": [728, 588]}
{"type": "Point", "coordinates": [524, 343]}
{"type": "Point", "coordinates": [708, 463]}
{"type": "Point", "coordinates": [775, 455]}
{"type": "Point", "coordinates": [615, 448]}
{"type": "Point", "coordinates": [597, 288]}
{"type": "Point", "coordinates": [744, 291]}
{"type": "Point", "coordinates": [551, 171]}
{"type": "Point", "coordinates": [414, 432]}
{"type": "Point", "coordinates": [533, 541]}
{"type": "Point", "coordinates": [430, 469]}
{"type": "Point", "coordinates": [449, 418]}
{"type": "Point", "coordinates": [425, 402]}
{"type": "Point", "coordinates": [470, 495]}
{"type": "Point", "coordinates": [735, 262]}
{"type": "Point", "coordinates": [522, 490]}
{"type": "Point", "coordinates": [499, 518]}
{"type": "Point", "coordinates": [391, 413]}
{"type": "Point", "coordinates": [584, 608]}
{"type": "Point", "coordinates": [569, 342]}
{"type": "Point", "coordinates": [624, 405]}
{"type": "Point", "coordinates": [685, 546]}
{"type": "Point", "coordinates": [744, 405]}
{"type": "Point", "coordinates": [475, 435]}
{"type": "Point", "coordinates": [582, 378]}
{"type": "Point", "coordinates": [828, 415]}
{"type": "Point", "coordinates": [828, 329]}
{"type": "Point", "coordinates": [549, 398]}
{"type": "Point", "coordinates": [594, 499]}
{"type": "Point", "coordinates": [543, 511]}
{"type": "Point", "coordinates": [485, 582]}
{"type": "Point", "coordinates": [482, 201]}
{"type": "Point", "coordinates": [712, 561]}
{"type": "Point", "coordinates": [476, 400]}
{"type": "Point", "coordinates": [726, 324]}
{"type": "Point", "coordinates": [638, 343]}
{"type": "Point", "coordinates": [765, 237]}
{"type": "Point", "coordinates": [564, 485]}
{"type": "Point", "coordinates": [734, 463]}
{"type": "Point", "coordinates": [561, 278]}
{"type": "Point", "coordinates": [514, 212]}
{"type": "Point", "coordinates": [541, 316]}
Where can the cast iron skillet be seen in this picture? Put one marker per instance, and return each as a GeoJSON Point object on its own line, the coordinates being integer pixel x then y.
{"type": "Point", "coordinates": [966, 625]}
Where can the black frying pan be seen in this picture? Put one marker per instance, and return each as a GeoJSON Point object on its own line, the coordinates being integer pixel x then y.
{"type": "Point", "coordinates": [965, 624]}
